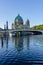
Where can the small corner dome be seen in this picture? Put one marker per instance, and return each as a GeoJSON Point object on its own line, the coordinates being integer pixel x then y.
{"type": "Point", "coordinates": [27, 22]}
{"type": "Point", "coordinates": [19, 18]}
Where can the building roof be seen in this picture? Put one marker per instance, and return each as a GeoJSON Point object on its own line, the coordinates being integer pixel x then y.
{"type": "Point", "coordinates": [18, 18]}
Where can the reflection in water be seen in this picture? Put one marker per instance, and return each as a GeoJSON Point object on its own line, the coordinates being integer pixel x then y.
{"type": "Point", "coordinates": [27, 41]}
{"type": "Point", "coordinates": [21, 49]}
{"type": "Point", "coordinates": [19, 43]}
{"type": "Point", "coordinates": [4, 40]}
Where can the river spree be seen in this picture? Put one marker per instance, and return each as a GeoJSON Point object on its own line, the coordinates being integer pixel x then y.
{"type": "Point", "coordinates": [21, 50]}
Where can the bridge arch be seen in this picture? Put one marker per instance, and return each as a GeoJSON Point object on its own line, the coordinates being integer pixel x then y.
{"type": "Point", "coordinates": [36, 32]}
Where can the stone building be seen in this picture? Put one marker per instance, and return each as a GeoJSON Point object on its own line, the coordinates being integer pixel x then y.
{"type": "Point", "coordinates": [18, 23]}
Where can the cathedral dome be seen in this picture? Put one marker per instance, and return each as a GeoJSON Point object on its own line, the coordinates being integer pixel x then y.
{"type": "Point", "coordinates": [18, 20]}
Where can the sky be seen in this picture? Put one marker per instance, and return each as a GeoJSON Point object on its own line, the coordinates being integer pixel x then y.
{"type": "Point", "coordinates": [28, 9]}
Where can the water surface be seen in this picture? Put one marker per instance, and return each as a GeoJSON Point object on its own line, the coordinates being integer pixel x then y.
{"type": "Point", "coordinates": [21, 50]}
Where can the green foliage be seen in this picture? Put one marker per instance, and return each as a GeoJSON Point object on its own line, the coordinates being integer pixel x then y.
{"type": "Point", "coordinates": [38, 27]}
{"type": "Point", "coordinates": [20, 27]}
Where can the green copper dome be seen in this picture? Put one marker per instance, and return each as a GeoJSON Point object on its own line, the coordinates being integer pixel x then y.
{"type": "Point", "coordinates": [18, 18]}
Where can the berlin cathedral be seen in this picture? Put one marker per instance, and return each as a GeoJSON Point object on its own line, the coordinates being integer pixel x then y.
{"type": "Point", "coordinates": [19, 23]}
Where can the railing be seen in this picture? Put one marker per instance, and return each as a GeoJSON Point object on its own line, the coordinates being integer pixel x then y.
{"type": "Point", "coordinates": [10, 30]}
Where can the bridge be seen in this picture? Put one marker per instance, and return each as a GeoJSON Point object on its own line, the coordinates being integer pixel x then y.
{"type": "Point", "coordinates": [22, 30]}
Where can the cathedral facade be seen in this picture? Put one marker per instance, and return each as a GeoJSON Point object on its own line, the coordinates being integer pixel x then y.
{"type": "Point", "coordinates": [18, 23]}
